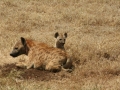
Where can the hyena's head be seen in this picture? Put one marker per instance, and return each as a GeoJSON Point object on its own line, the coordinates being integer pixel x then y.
{"type": "Point", "coordinates": [20, 48]}
{"type": "Point", "coordinates": [60, 40]}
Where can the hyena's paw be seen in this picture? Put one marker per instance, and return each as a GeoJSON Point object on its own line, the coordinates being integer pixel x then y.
{"type": "Point", "coordinates": [67, 70]}
{"type": "Point", "coordinates": [29, 66]}
{"type": "Point", "coordinates": [20, 65]}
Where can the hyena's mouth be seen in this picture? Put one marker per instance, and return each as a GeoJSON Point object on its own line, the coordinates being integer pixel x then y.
{"type": "Point", "coordinates": [14, 54]}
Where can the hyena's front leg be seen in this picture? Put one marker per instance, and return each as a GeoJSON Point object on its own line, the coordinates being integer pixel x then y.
{"type": "Point", "coordinates": [29, 63]}
{"type": "Point", "coordinates": [21, 65]}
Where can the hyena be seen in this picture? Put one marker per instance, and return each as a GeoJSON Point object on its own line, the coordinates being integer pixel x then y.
{"type": "Point", "coordinates": [60, 40]}
{"type": "Point", "coordinates": [40, 55]}
{"type": "Point", "coordinates": [19, 50]}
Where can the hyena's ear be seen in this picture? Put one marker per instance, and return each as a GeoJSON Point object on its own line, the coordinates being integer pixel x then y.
{"type": "Point", "coordinates": [56, 35]}
{"type": "Point", "coordinates": [23, 41]}
{"type": "Point", "coordinates": [65, 34]}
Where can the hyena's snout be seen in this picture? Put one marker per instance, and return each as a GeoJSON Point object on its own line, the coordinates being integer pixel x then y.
{"type": "Point", "coordinates": [14, 53]}
{"type": "Point", "coordinates": [62, 42]}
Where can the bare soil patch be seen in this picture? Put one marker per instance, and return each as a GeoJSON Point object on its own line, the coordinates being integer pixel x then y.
{"type": "Point", "coordinates": [35, 74]}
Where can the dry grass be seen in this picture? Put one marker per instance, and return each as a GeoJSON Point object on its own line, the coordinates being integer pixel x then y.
{"type": "Point", "coordinates": [93, 41]}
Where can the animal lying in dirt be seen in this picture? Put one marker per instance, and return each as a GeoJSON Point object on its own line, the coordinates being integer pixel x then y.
{"type": "Point", "coordinates": [40, 55]}
{"type": "Point", "coordinates": [60, 40]}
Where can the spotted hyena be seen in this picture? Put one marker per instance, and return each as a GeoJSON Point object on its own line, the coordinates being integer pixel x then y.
{"type": "Point", "coordinates": [40, 55]}
{"type": "Point", "coordinates": [19, 50]}
{"type": "Point", "coordinates": [60, 40]}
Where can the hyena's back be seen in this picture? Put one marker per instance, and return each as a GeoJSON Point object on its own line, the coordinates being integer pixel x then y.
{"type": "Point", "coordinates": [31, 43]}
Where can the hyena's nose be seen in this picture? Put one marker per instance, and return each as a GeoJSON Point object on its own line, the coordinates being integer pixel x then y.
{"type": "Point", "coordinates": [63, 43]}
{"type": "Point", "coordinates": [10, 54]}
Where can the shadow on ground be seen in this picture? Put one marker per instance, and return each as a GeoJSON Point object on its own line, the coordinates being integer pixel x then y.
{"type": "Point", "coordinates": [42, 75]}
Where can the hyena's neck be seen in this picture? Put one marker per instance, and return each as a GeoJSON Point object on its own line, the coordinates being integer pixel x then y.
{"type": "Point", "coordinates": [30, 44]}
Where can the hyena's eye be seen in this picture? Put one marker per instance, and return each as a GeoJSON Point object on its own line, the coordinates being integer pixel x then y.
{"type": "Point", "coordinates": [60, 39]}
